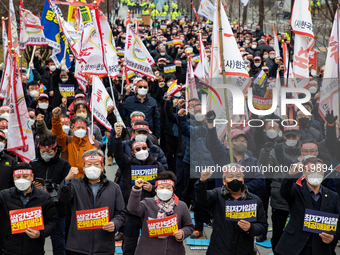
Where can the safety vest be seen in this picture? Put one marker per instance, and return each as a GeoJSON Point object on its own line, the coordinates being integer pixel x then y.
{"type": "Point", "coordinates": [174, 6]}
{"type": "Point", "coordinates": [164, 15]}
{"type": "Point", "coordinates": [145, 12]}
{"type": "Point", "coordinates": [288, 37]}
{"type": "Point", "coordinates": [166, 7]}
{"type": "Point", "coordinates": [174, 15]}
{"type": "Point", "coordinates": [151, 5]}
{"type": "Point", "coordinates": [154, 13]}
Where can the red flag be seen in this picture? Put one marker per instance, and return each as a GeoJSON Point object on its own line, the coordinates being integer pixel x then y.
{"type": "Point", "coordinates": [128, 19]}
{"type": "Point", "coordinates": [193, 7]}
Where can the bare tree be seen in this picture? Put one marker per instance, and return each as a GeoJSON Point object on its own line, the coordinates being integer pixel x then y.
{"type": "Point", "coordinates": [261, 12]}
{"type": "Point", "coordinates": [244, 17]}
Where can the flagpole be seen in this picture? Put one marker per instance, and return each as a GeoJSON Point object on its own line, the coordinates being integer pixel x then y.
{"type": "Point", "coordinates": [93, 89]}
{"type": "Point", "coordinates": [31, 61]}
{"type": "Point", "coordinates": [231, 151]}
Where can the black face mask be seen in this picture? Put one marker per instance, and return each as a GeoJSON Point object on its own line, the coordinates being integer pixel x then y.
{"type": "Point", "coordinates": [235, 185]}
{"type": "Point", "coordinates": [303, 122]}
{"type": "Point", "coordinates": [161, 66]}
{"type": "Point", "coordinates": [178, 68]}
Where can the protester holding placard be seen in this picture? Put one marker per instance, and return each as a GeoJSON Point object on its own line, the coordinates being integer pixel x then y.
{"type": "Point", "coordinates": [161, 232]}
{"type": "Point", "coordinates": [96, 207]}
{"type": "Point", "coordinates": [31, 215]}
{"type": "Point", "coordinates": [313, 231]}
{"type": "Point", "coordinates": [238, 214]}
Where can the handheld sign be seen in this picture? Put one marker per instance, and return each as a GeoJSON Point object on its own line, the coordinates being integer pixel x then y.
{"type": "Point", "coordinates": [318, 222]}
{"type": "Point", "coordinates": [147, 172]}
{"type": "Point", "coordinates": [241, 210]}
{"type": "Point", "coordinates": [92, 219]}
{"type": "Point", "coordinates": [262, 103]}
{"type": "Point", "coordinates": [67, 90]}
{"type": "Point", "coordinates": [26, 218]}
{"type": "Point", "coordinates": [163, 227]}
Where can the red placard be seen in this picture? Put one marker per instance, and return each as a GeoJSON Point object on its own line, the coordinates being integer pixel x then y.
{"type": "Point", "coordinates": [92, 219]}
{"type": "Point", "coordinates": [26, 218]}
{"type": "Point", "coordinates": [163, 227]}
{"type": "Point", "coordinates": [313, 59]}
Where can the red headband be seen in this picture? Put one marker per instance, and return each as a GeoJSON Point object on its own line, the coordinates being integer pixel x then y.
{"type": "Point", "coordinates": [142, 82]}
{"type": "Point", "coordinates": [137, 118]}
{"type": "Point", "coordinates": [47, 146]}
{"type": "Point", "coordinates": [140, 126]}
{"type": "Point", "coordinates": [168, 182]}
{"type": "Point", "coordinates": [31, 112]}
{"type": "Point", "coordinates": [97, 157]}
{"type": "Point", "coordinates": [236, 132]}
{"type": "Point", "coordinates": [291, 128]}
{"type": "Point", "coordinates": [65, 120]}
{"type": "Point", "coordinates": [22, 171]}
{"type": "Point", "coordinates": [79, 95]}
{"type": "Point", "coordinates": [139, 143]}
{"type": "Point", "coordinates": [79, 122]}
{"type": "Point", "coordinates": [193, 101]}
{"type": "Point", "coordinates": [5, 107]}
{"type": "Point", "coordinates": [3, 123]}
{"type": "Point", "coordinates": [309, 146]}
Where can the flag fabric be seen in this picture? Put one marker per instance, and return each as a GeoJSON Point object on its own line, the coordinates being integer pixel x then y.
{"type": "Point", "coordinates": [53, 33]}
{"type": "Point", "coordinates": [202, 68]}
{"type": "Point", "coordinates": [4, 38]}
{"type": "Point", "coordinates": [6, 76]}
{"type": "Point", "coordinates": [31, 31]}
{"type": "Point", "coordinates": [130, 74]}
{"type": "Point", "coordinates": [81, 78]}
{"type": "Point", "coordinates": [313, 59]}
{"type": "Point", "coordinates": [301, 23]}
{"type": "Point", "coordinates": [72, 16]}
{"type": "Point", "coordinates": [13, 28]}
{"type": "Point", "coordinates": [276, 43]}
{"type": "Point", "coordinates": [108, 44]}
{"type": "Point", "coordinates": [100, 101]}
{"type": "Point", "coordinates": [233, 61]}
{"type": "Point", "coordinates": [190, 80]}
{"type": "Point", "coordinates": [329, 91]}
{"type": "Point", "coordinates": [137, 58]}
{"type": "Point", "coordinates": [128, 19]}
{"type": "Point", "coordinates": [193, 7]}
{"type": "Point", "coordinates": [159, 5]}
{"type": "Point", "coordinates": [206, 9]}
{"type": "Point", "coordinates": [169, 69]}
{"type": "Point", "coordinates": [20, 136]}
{"type": "Point", "coordinates": [260, 78]}
{"type": "Point", "coordinates": [245, 2]}
{"type": "Point", "coordinates": [182, 21]}
{"type": "Point", "coordinates": [72, 35]}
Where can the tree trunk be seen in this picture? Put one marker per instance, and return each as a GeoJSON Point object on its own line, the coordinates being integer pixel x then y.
{"type": "Point", "coordinates": [261, 13]}
{"type": "Point", "coordinates": [244, 17]}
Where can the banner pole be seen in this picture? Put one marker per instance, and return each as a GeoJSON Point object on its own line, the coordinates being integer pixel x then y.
{"type": "Point", "coordinates": [31, 61]}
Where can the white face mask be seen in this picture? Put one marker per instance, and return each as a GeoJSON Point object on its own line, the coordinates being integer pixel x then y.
{"type": "Point", "coordinates": [5, 131]}
{"type": "Point", "coordinates": [257, 64]}
{"type": "Point", "coordinates": [33, 93]}
{"type": "Point", "coordinates": [308, 156]}
{"type": "Point", "coordinates": [164, 43]}
{"type": "Point", "coordinates": [272, 134]}
{"type": "Point", "coordinates": [265, 56]}
{"type": "Point", "coordinates": [247, 41]}
{"type": "Point", "coordinates": [162, 53]}
{"type": "Point", "coordinates": [199, 117]}
{"type": "Point", "coordinates": [313, 90]}
{"type": "Point", "coordinates": [5, 116]}
{"type": "Point", "coordinates": [153, 43]}
{"type": "Point", "coordinates": [64, 79]}
{"type": "Point", "coordinates": [43, 106]}
{"type": "Point", "coordinates": [22, 184]}
{"type": "Point", "coordinates": [178, 94]}
{"type": "Point", "coordinates": [80, 133]}
{"type": "Point", "coordinates": [82, 114]}
{"type": "Point", "coordinates": [248, 69]}
{"type": "Point", "coordinates": [52, 68]}
{"type": "Point", "coordinates": [2, 146]}
{"type": "Point", "coordinates": [142, 154]}
{"type": "Point", "coordinates": [92, 172]}
{"type": "Point", "coordinates": [141, 137]}
{"type": "Point", "coordinates": [31, 122]}
{"type": "Point", "coordinates": [245, 58]}
{"type": "Point", "coordinates": [272, 56]}
{"type": "Point", "coordinates": [291, 143]}
{"type": "Point", "coordinates": [192, 111]}
{"type": "Point", "coordinates": [164, 194]}
{"type": "Point", "coordinates": [253, 46]}
{"type": "Point", "coordinates": [142, 91]}
{"type": "Point", "coordinates": [315, 179]}
{"type": "Point", "coordinates": [66, 128]}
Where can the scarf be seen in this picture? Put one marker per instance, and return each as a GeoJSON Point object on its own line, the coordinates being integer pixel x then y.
{"type": "Point", "coordinates": [165, 208]}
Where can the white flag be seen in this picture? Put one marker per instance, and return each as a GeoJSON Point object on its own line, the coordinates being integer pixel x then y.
{"type": "Point", "coordinates": [72, 35]}
{"type": "Point", "coordinates": [6, 77]}
{"type": "Point", "coordinates": [329, 91]}
{"type": "Point", "coordinates": [206, 9]}
{"type": "Point", "coordinates": [190, 80]}
{"type": "Point", "coordinates": [31, 31]}
{"type": "Point", "coordinates": [276, 43]}
{"type": "Point", "coordinates": [301, 23]}
{"type": "Point", "coordinates": [20, 136]}
{"type": "Point", "coordinates": [4, 38]}
{"type": "Point", "coordinates": [137, 58]}
{"type": "Point", "coordinates": [100, 102]}
{"type": "Point", "coordinates": [13, 27]}
{"type": "Point", "coordinates": [202, 69]}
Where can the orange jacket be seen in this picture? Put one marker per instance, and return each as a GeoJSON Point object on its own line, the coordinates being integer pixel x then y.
{"type": "Point", "coordinates": [73, 147]}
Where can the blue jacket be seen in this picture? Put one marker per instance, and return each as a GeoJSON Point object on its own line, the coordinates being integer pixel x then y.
{"type": "Point", "coordinates": [148, 107]}
{"type": "Point", "coordinates": [185, 123]}
{"type": "Point", "coordinates": [253, 178]}
{"type": "Point", "coordinates": [155, 151]}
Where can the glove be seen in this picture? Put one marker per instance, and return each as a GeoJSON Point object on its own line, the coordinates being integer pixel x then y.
{"type": "Point", "coordinates": [330, 118]}
{"type": "Point", "coordinates": [268, 146]}
{"type": "Point", "coordinates": [279, 141]}
{"type": "Point", "coordinates": [2, 66]}
{"type": "Point", "coordinates": [210, 116]}
{"type": "Point", "coordinates": [63, 68]}
{"type": "Point", "coordinates": [63, 62]}
{"type": "Point", "coordinates": [31, 65]}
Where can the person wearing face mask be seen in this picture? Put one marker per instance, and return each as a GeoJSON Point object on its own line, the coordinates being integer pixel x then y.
{"type": "Point", "coordinates": [230, 237]}
{"type": "Point", "coordinates": [93, 190]}
{"type": "Point", "coordinates": [161, 62]}
{"type": "Point", "coordinates": [4, 126]}
{"type": "Point", "coordinates": [4, 112]}
{"type": "Point", "coordinates": [32, 92]}
{"type": "Point", "coordinates": [73, 146]}
{"type": "Point", "coordinates": [80, 110]}
{"type": "Point", "coordinates": [44, 72]}
{"type": "Point", "coordinates": [152, 207]}
{"type": "Point", "coordinates": [140, 159]}
{"type": "Point", "coordinates": [23, 196]}
{"type": "Point", "coordinates": [163, 54]}
{"type": "Point", "coordinates": [43, 108]}
{"type": "Point", "coordinates": [7, 164]}
{"type": "Point", "coordinates": [307, 193]}
{"type": "Point", "coordinates": [142, 102]}
{"type": "Point", "coordinates": [255, 66]}
{"type": "Point", "coordinates": [65, 122]}
{"type": "Point", "coordinates": [48, 166]}
{"type": "Point", "coordinates": [267, 59]}
{"type": "Point", "coordinates": [306, 131]}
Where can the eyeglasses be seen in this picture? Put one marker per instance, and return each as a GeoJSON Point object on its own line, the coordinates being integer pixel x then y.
{"type": "Point", "coordinates": [144, 87]}
{"type": "Point", "coordinates": [240, 141]}
{"type": "Point", "coordinates": [144, 148]}
{"type": "Point", "coordinates": [309, 151]}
